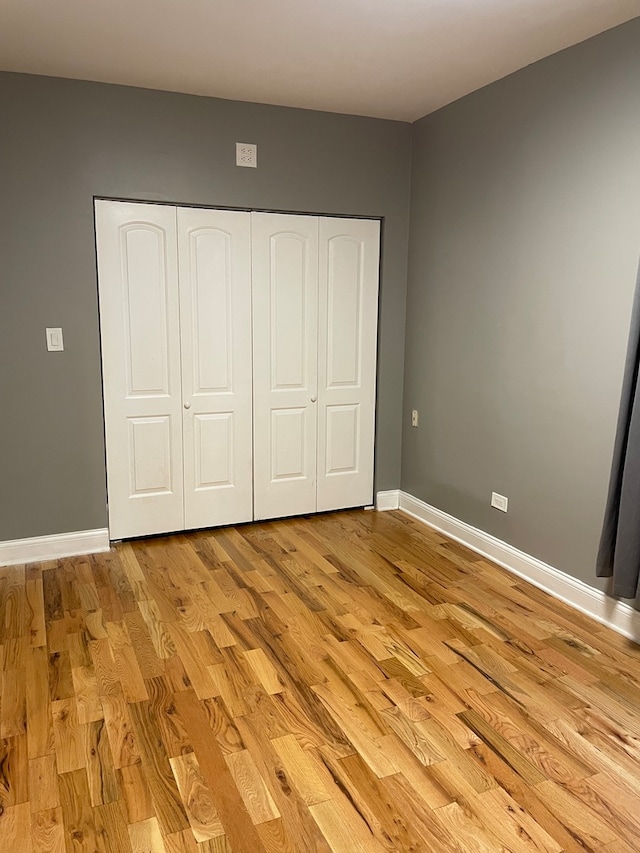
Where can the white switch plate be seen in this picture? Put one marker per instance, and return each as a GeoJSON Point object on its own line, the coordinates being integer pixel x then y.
{"type": "Point", "coordinates": [414, 418]}
{"type": "Point", "coordinates": [499, 501]}
{"type": "Point", "coordinates": [55, 343]}
{"type": "Point", "coordinates": [247, 154]}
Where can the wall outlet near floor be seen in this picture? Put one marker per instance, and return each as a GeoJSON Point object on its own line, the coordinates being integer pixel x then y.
{"type": "Point", "coordinates": [247, 154]}
{"type": "Point", "coordinates": [414, 418]}
{"type": "Point", "coordinates": [499, 501]}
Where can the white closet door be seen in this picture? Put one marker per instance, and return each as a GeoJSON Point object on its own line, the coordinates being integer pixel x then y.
{"type": "Point", "coordinates": [140, 333]}
{"type": "Point", "coordinates": [214, 249]}
{"type": "Point", "coordinates": [348, 320]}
{"type": "Point", "coordinates": [285, 332]}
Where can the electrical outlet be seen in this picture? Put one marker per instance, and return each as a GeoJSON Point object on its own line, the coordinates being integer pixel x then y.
{"type": "Point", "coordinates": [247, 154]}
{"type": "Point", "coordinates": [414, 418]}
{"type": "Point", "coordinates": [499, 501]}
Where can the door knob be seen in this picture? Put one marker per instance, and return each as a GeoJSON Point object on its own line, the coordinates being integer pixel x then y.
{"type": "Point", "coordinates": [313, 399]}
{"type": "Point", "coordinates": [187, 405]}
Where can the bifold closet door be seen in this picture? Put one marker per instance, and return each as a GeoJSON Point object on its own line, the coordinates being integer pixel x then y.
{"type": "Point", "coordinates": [347, 343]}
{"type": "Point", "coordinates": [239, 355]}
{"type": "Point", "coordinates": [140, 335]}
{"type": "Point", "coordinates": [285, 365]}
{"type": "Point", "coordinates": [214, 252]}
{"type": "Point", "coordinates": [175, 314]}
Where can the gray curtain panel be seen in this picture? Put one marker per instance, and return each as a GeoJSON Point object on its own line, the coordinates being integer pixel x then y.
{"type": "Point", "coordinates": [619, 552]}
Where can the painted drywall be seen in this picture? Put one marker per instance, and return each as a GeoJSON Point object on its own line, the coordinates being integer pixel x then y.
{"type": "Point", "coordinates": [64, 142]}
{"type": "Point", "coordinates": [524, 246]}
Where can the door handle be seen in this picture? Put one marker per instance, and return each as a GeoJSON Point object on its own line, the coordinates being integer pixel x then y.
{"type": "Point", "coordinates": [313, 399]}
{"type": "Point", "coordinates": [187, 405]}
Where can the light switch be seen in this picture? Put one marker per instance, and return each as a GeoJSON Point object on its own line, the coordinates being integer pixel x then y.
{"type": "Point", "coordinates": [55, 342]}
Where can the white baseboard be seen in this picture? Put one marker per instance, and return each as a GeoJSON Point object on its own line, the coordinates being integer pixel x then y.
{"type": "Point", "coordinates": [593, 602]}
{"type": "Point", "coordinates": [388, 500]}
{"type": "Point", "coordinates": [53, 547]}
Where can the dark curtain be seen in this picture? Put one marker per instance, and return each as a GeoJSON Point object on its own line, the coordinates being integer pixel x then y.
{"type": "Point", "coordinates": [619, 552]}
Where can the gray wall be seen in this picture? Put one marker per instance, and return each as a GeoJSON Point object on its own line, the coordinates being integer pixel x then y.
{"type": "Point", "coordinates": [61, 143]}
{"type": "Point", "coordinates": [525, 237]}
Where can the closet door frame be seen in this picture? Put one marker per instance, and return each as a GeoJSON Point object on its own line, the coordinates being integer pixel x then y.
{"type": "Point", "coordinates": [316, 392]}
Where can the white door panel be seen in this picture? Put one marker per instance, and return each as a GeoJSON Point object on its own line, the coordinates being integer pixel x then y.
{"type": "Point", "coordinates": [349, 252]}
{"type": "Point", "coordinates": [285, 294]}
{"type": "Point", "coordinates": [140, 334]}
{"type": "Point", "coordinates": [214, 248]}
{"type": "Point", "coordinates": [343, 439]}
{"type": "Point", "coordinates": [151, 452]}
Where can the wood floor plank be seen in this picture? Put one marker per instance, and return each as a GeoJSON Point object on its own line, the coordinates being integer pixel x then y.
{"type": "Point", "coordinates": [264, 670]}
{"type": "Point", "coordinates": [13, 711]}
{"type": "Point", "coordinates": [228, 799]}
{"type": "Point", "coordinates": [35, 603]}
{"type": "Point", "coordinates": [43, 783]}
{"type": "Point", "coordinates": [163, 709]}
{"type": "Point", "coordinates": [197, 670]}
{"type": "Point", "coordinates": [79, 822]}
{"type": "Point", "coordinates": [249, 782]}
{"type": "Point", "coordinates": [295, 828]}
{"type": "Point", "coordinates": [51, 594]}
{"type": "Point", "coordinates": [157, 770]}
{"type": "Point", "coordinates": [146, 837]}
{"type": "Point", "coordinates": [343, 827]}
{"type": "Point", "coordinates": [126, 662]}
{"type": "Point", "coordinates": [119, 729]}
{"type": "Point", "coordinates": [302, 770]}
{"type": "Point", "coordinates": [111, 828]}
{"type": "Point", "coordinates": [78, 648]}
{"type": "Point", "coordinates": [39, 722]}
{"type": "Point", "coordinates": [68, 737]}
{"type": "Point", "coordinates": [183, 842]}
{"type": "Point", "coordinates": [135, 793]}
{"type": "Point", "coordinates": [196, 796]}
{"type": "Point", "coordinates": [87, 694]}
{"type": "Point", "coordinates": [60, 678]}
{"type": "Point", "coordinates": [149, 661]}
{"type": "Point", "coordinates": [14, 773]}
{"type": "Point", "coordinates": [158, 632]}
{"type": "Point", "coordinates": [581, 822]}
{"type": "Point", "coordinates": [376, 802]}
{"type": "Point", "coordinates": [471, 835]}
{"type": "Point", "coordinates": [47, 831]}
{"type": "Point", "coordinates": [15, 829]}
{"type": "Point", "coordinates": [511, 824]}
{"type": "Point", "coordinates": [101, 774]}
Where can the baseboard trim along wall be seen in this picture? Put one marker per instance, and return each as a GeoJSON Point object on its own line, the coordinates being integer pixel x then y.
{"type": "Point", "coordinates": [601, 607]}
{"type": "Point", "coordinates": [388, 500]}
{"type": "Point", "coordinates": [53, 547]}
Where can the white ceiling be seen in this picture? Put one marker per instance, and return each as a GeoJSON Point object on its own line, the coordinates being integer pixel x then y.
{"type": "Point", "coordinates": [389, 58]}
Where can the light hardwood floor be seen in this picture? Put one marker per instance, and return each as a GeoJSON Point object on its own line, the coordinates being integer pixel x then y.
{"type": "Point", "coordinates": [347, 682]}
